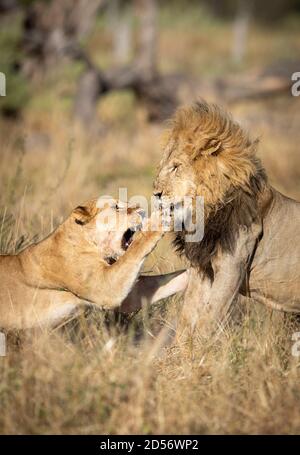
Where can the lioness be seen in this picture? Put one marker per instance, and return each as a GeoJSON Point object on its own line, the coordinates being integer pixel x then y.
{"type": "Point", "coordinates": [85, 261]}
{"type": "Point", "coordinates": [251, 242]}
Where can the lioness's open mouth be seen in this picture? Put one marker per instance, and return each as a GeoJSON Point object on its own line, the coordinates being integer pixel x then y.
{"type": "Point", "coordinates": [126, 241]}
{"type": "Point", "coordinates": [127, 238]}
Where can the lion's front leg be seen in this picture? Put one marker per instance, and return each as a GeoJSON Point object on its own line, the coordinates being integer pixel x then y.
{"type": "Point", "coordinates": [208, 301]}
{"type": "Point", "coordinates": [196, 298]}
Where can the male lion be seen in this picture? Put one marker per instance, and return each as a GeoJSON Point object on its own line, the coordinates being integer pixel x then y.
{"type": "Point", "coordinates": [85, 261]}
{"type": "Point", "coordinates": [251, 242]}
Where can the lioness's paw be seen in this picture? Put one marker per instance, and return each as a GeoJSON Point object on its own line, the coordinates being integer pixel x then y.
{"type": "Point", "coordinates": [146, 241]}
{"type": "Point", "coordinates": [154, 223]}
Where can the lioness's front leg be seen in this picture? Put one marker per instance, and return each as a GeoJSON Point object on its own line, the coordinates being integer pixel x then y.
{"type": "Point", "coordinates": [116, 281]}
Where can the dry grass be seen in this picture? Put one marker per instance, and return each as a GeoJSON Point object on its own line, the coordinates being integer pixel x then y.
{"type": "Point", "coordinates": [244, 382]}
{"type": "Point", "coordinates": [78, 381]}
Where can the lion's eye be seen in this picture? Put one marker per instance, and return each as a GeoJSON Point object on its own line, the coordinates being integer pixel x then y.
{"type": "Point", "coordinates": [175, 167]}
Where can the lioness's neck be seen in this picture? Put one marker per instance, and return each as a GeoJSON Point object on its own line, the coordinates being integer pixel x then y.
{"type": "Point", "coordinates": [45, 262]}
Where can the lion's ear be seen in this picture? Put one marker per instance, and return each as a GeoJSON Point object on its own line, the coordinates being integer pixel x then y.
{"type": "Point", "coordinates": [82, 215]}
{"type": "Point", "coordinates": [213, 147]}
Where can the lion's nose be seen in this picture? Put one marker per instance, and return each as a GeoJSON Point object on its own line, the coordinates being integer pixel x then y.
{"type": "Point", "coordinates": [158, 194]}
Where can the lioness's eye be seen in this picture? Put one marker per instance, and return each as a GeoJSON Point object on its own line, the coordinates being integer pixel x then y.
{"type": "Point", "coordinates": [119, 207]}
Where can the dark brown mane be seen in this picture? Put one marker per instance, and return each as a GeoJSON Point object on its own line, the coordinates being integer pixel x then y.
{"type": "Point", "coordinates": [220, 231]}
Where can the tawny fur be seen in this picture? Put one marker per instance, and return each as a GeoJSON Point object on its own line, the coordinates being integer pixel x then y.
{"type": "Point", "coordinates": [248, 224]}
{"type": "Point", "coordinates": [82, 263]}
{"type": "Point", "coordinates": [208, 131]}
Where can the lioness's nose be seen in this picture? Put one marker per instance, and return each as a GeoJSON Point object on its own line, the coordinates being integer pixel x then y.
{"type": "Point", "coordinates": [142, 213]}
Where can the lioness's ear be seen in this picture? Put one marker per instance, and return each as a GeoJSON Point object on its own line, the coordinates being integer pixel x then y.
{"type": "Point", "coordinates": [212, 147]}
{"type": "Point", "coordinates": [82, 215]}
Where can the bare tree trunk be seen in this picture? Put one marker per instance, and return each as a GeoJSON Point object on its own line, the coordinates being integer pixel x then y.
{"type": "Point", "coordinates": [86, 97]}
{"type": "Point", "coordinates": [120, 19]}
{"type": "Point", "coordinates": [155, 92]}
{"type": "Point", "coordinates": [147, 46]}
{"type": "Point", "coordinates": [6, 6]}
{"type": "Point", "coordinates": [50, 28]}
{"type": "Point", "coordinates": [241, 30]}
{"type": "Point", "coordinates": [53, 30]}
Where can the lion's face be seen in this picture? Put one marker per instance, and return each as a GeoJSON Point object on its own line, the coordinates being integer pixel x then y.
{"type": "Point", "coordinates": [108, 226]}
{"type": "Point", "coordinates": [176, 176]}
{"type": "Point", "coordinates": [206, 154]}
{"type": "Point", "coordinates": [185, 173]}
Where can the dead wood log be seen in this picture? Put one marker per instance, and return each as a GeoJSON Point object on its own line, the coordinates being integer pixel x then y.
{"type": "Point", "coordinates": [269, 82]}
{"type": "Point", "coordinates": [156, 92]}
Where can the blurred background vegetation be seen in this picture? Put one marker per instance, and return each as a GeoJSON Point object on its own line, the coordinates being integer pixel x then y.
{"type": "Point", "coordinates": [145, 46]}
{"type": "Point", "coordinates": [89, 84]}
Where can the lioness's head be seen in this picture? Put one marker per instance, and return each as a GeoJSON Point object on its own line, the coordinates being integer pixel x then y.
{"type": "Point", "coordinates": [104, 225]}
{"type": "Point", "coordinates": [205, 153]}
